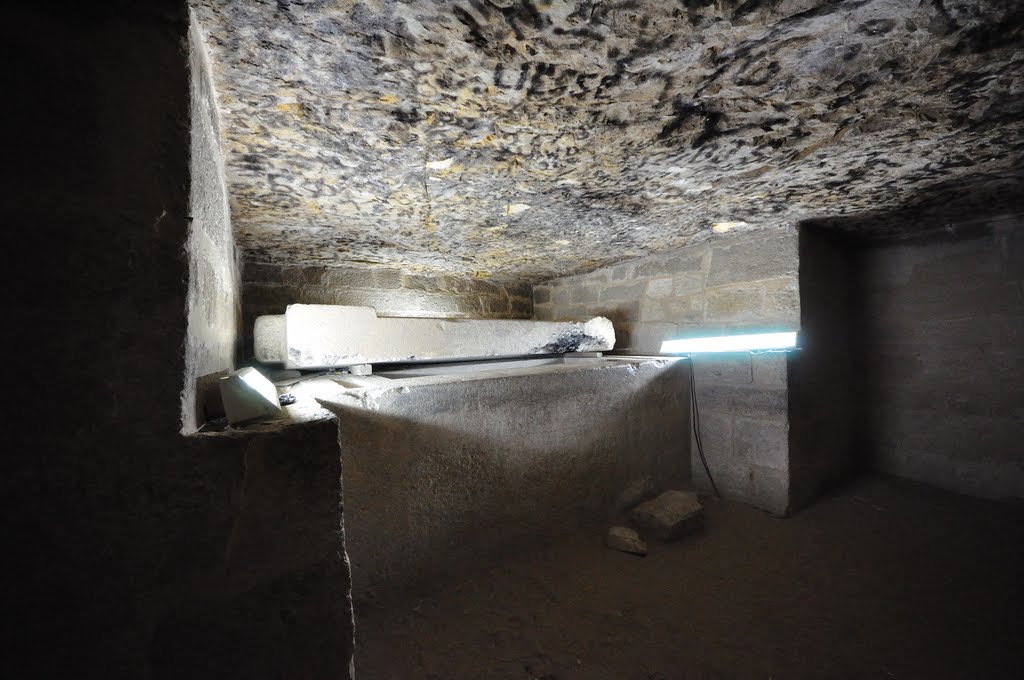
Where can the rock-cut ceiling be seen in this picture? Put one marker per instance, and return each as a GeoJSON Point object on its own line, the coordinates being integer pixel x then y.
{"type": "Point", "coordinates": [511, 138]}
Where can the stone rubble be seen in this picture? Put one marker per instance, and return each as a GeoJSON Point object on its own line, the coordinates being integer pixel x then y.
{"type": "Point", "coordinates": [671, 515]}
{"type": "Point", "coordinates": [626, 540]}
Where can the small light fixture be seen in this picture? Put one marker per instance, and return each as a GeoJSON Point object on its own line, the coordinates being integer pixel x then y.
{"type": "Point", "coordinates": [248, 395]}
{"type": "Point", "coordinates": [730, 343]}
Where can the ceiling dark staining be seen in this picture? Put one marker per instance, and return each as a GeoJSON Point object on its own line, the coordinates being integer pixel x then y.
{"type": "Point", "coordinates": [529, 139]}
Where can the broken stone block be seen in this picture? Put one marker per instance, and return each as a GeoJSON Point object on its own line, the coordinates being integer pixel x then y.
{"type": "Point", "coordinates": [670, 515]}
{"type": "Point", "coordinates": [626, 540]}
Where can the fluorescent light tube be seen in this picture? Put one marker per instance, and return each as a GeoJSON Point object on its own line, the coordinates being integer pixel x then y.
{"type": "Point", "coordinates": [730, 343]}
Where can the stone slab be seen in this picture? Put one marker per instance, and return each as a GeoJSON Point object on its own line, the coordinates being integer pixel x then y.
{"type": "Point", "coordinates": [671, 515]}
{"type": "Point", "coordinates": [331, 336]}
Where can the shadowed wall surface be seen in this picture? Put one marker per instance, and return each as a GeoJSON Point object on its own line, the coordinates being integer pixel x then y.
{"type": "Point", "coordinates": [942, 367]}
{"type": "Point", "coordinates": [214, 292]}
{"type": "Point", "coordinates": [135, 552]}
{"type": "Point", "coordinates": [826, 409]}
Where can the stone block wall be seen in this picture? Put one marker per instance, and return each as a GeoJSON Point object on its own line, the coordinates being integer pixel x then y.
{"type": "Point", "coordinates": [744, 424]}
{"type": "Point", "coordinates": [727, 282]}
{"type": "Point", "coordinates": [942, 365]}
{"type": "Point", "coordinates": [269, 289]}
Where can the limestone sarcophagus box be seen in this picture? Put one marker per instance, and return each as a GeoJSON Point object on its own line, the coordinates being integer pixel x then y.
{"type": "Point", "coordinates": [330, 336]}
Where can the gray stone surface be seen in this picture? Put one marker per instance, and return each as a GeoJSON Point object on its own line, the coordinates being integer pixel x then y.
{"type": "Point", "coordinates": [441, 473]}
{"type": "Point", "coordinates": [671, 515]}
{"type": "Point", "coordinates": [940, 366]}
{"type": "Point", "coordinates": [743, 397]}
{"type": "Point", "coordinates": [537, 139]}
{"type": "Point", "coordinates": [625, 540]}
{"type": "Point", "coordinates": [134, 551]}
{"type": "Point", "coordinates": [825, 409]}
{"type": "Point", "coordinates": [214, 293]}
{"type": "Point", "coordinates": [744, 427]}
{"type": "Point", "coordinates": [647, 310]}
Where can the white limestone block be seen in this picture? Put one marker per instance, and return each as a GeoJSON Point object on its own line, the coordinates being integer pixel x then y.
{"type": "Point", "coordinates": [330, 336]}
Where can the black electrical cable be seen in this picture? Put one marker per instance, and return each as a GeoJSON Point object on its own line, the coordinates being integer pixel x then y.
{"type": "Point", "coordinates": [695, 419]}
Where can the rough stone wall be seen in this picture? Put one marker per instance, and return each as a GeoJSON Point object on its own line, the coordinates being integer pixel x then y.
{"type": "Point", "coordinates": [441, 473]}
{"type": "Point", "coordinates": [132, 551]}
{"type": "Point", "coordinates": [731, 282]}
{"type": "Point", "coordinates": [214, 291]}
{"type": "Point", "coordinates": [825, 406]}
{"type": "Point", "coordinates": [942, 360]}
{"type": "Point", "coordinates": [269, 289]}
{"type": "Point", "coordinates": [526, 139]}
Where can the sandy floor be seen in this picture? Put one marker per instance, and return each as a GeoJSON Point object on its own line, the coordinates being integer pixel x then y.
{"type": "Point", "coordinates": [884, 579]}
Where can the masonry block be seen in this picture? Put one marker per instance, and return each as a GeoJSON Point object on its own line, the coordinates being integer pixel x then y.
{"type": "Point", "coordinates": [660, 288]}
{"type": "Point", "coordinates": [520, 307]}
{"type": "Point", "coordinates": [762, 442]}
{"type": "Point", "coordinates": [782, 299]}
{"type": "Point", "coordinates": [755, 259]}
{"type": "Point", "coordinates": [732, 303]}
{"type": "Point", "coordinates": [742, 400]}
{"type": "Point", "coordinates": [302, 275]}
{"type": "Point", "coordinates": [587, 293]}
{"type": "Point", "coordinates": [623, 293]}
{"type": "Point", "coordinates": [654, 310]}
{"type": "Point", "coordinates": [685, 309]}
{"type": "Point", "coordinates": [649, 336]}
{"type": "Point", "coordinates": [770, 369]}
{"type": "Point", "coordinates": [726, 368]}
{"type": "Point", "coordinates": [348, 277]}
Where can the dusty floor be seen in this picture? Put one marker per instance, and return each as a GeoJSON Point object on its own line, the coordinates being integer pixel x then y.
{"type": "Point", "coordinates": [883, 579]}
